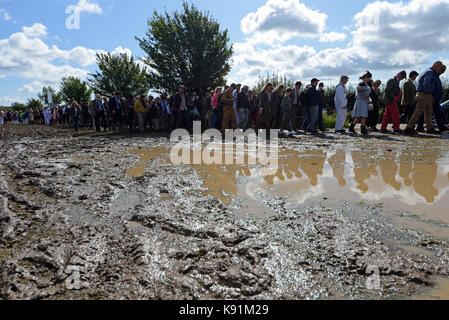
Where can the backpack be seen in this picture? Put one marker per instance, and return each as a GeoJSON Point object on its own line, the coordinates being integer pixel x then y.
{"type": "Point", "coordinates": [304, 98]}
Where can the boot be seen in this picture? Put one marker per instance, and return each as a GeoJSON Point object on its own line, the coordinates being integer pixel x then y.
{"type": "Point", "coordinates": [352, 128]}
{"type": "Point", "coordinates": [364, 131]}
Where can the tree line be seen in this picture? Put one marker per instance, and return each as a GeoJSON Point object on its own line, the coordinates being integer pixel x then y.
{"type": "Point", "coordinates": [184, 47]}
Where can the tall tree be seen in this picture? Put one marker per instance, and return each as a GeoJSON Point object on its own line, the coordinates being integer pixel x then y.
{"type": "Point", "coordinates": [119, 73]}
{"type": "Point", "coordinates": [56, 96]}
{"type": "Point", "coordinates": [73, 89]}
{"type": "Point", "coordinates": [34, 104]}
{"type": "Point", "coordinates": [186, 48]}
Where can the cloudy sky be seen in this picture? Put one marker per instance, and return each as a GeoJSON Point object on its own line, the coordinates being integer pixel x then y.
{"type": "Point", "coordinates": [299, 38]}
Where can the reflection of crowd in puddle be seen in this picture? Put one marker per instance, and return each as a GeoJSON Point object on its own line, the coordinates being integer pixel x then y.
{"type": "Point", "coordinates": [391, 166]}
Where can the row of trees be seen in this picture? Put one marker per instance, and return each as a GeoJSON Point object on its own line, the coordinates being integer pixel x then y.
{"type": "Point", "coordinates": [185, 47]}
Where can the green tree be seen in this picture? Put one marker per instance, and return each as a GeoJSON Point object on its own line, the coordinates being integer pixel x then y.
{"type": "Point", "coordinates": [275, 79]}
{"type": "Point", "coordinates": [16, 106]}
{"type": "Point", "coordinates": [73, 89]}
{"type": "Point", "coordinates": [119, 73]}
{"type": "Point", "coordinates": [56, 96]}
{"type": "Point", "coordinates": [186, 48]}
{"type": "Point", "coordinates": [34, 104]}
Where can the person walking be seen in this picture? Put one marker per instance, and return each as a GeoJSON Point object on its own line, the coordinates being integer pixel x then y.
{"type": "Point", "coordinates": [409, 95]}
{"type": "Point", "coordinates": [313, 99]}
{"type": "Point", "coordinates": [180, 105]}
{"type": "Point", "coordinates": [47, 116]}
{"type": "Point", "coordinates": [75, 111]}
{"type": "Point", "coordinates": [97, 111]}
{"type": "Point", "coordinates": [392, 96]}
{"type": "Point", "coordinates": [287, 112]}
{"type": "Point", "coordinates": [254, 109]}
{"type": "Point", "coordinates": [341, 104]}
{"type": "Point", "coordinates": [236, 98]}
{"type": "Point", "coordinates": [373, 114]}
{"type": "Point", "coordinates": [141, 110]}
{"type": "Point", "coordinates": [243, 106]}
{"type": "Point", "coordinates": [360, 112]}
{"type": "Point", "coordinates": [276, 106]}
{"type": "Point", "coordinates": [437, 96]}
{"type": "Point", "coordinates": [214, 120]}
{"type": "Point", "coordinates": [323, 105]}
{"type": "Point", "coordinates": [229, 115]}
{"type": "Point", "coordinates": [265, 109]}
{"type": "Point", "coordinates": [296, 104]}
{"type": "Point", "coordinates": [424, 98]}
{"type": "Point", "coordinates": [115, 111]}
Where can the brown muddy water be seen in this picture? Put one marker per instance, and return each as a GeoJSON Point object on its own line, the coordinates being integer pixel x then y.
{"type": "Point", "coordinates": [416, 181]}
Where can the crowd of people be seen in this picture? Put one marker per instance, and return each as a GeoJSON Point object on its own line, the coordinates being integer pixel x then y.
{"type": "Point", "coordinates": [291, 110]}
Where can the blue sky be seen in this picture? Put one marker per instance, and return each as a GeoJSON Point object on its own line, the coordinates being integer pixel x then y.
{"type": "Point", "coordinates": [300, 38]}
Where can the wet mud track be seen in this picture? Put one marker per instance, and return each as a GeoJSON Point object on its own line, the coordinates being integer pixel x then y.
{"type": "Point", "coordinates": [108, 217]}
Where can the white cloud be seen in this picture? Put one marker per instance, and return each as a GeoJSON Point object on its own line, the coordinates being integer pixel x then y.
{"type": "Point", "coordinates": [120, 50]}
{"type": "Point", "coordinates": [385, 36]}
{"type": "Point", "coordinates": [26, 55]}
{"type": "Point", "coordinates": [7, 100]}
{"type": "Point", "coordinates": [281, 20]}
{"type": "Point", "coordinates": [402, 33]}
{"type": "Point", "coordinates": [89, 7]}
{"type": "Point", "coordinates": [6, 15]}
{"type": "Point", "coordinates": [34, 87]}
{"type": "Point", "coordinates": [37, 30]}
{"type": "Point", "coordinates": [332, 37]}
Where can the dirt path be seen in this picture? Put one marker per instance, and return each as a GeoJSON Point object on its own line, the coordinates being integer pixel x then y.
{"type": "Point", "coordinates": [108, 217]}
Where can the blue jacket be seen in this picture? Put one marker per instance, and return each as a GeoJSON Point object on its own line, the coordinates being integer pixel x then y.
{"type": "Point", "coordinates": [427, 81]}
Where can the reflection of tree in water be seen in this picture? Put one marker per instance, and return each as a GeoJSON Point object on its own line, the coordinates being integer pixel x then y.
{"type": "Point", "coordinates": [337, 162]}
{"type": "Point", "coordinates": [363, 170]}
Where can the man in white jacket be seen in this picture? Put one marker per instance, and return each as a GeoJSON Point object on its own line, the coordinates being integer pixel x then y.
{"type": "Point", "coordinates": [341, 104]}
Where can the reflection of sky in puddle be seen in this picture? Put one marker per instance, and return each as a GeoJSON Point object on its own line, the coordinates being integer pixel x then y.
{"type": "Point", "coordinates": [419, 186]}
{"type": "Point", "coordinates": [415, 181]}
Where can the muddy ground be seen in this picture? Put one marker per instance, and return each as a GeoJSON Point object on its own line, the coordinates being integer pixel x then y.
{"type": "Point", "coordinates": [101, 216]}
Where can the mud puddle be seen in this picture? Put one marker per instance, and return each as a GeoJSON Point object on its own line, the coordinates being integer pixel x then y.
{"type": "Point", "coordinates": [416, 182]}
{"type": "Point", "coordinates": [439, 292]}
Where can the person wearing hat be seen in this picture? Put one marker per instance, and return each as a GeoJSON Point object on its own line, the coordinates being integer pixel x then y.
{"type": "Point", "coordinates": [97, 111]}
{"type": "Point", "coordinates": [392, 96]}
{"type": "Point", "coordinates": [312, 107]}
